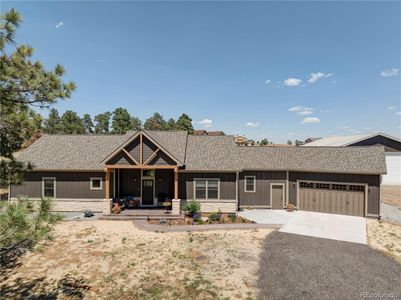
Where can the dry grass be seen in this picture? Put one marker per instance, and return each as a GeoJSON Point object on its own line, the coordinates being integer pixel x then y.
{"type": "Point", "coordinates": [114, 260]}
{"type": "Point", "coordinates": [385, 237]}
{"type": "Point", "coordinates": [391, 195]}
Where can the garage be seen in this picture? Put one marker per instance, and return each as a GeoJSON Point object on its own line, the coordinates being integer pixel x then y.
{"type": "Point", "coordinates": [333, 198]}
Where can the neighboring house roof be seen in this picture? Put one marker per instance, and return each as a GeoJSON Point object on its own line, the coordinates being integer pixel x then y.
{"type": "Point", "coordinates": [200, 132]}
{"type": "Point", "coordinates": [211, 133]}
{"type": "Point", "coordinates": [347, 140]}
{"type": "Point", "coordinates": [203, 153]}
{"type": "Point", "coordinates": [215, 133]}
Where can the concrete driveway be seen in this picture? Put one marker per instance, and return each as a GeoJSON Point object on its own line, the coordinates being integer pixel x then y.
{"type": "Point", "coordinates": [328, 226]}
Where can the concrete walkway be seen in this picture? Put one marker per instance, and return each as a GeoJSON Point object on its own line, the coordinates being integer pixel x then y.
{"type": "Point", "coordinates": [144, 225]}
{"type": "Point", "coordinates": [268, 216]}
{"type": "Point", "coordinates": [391, 213]}
{"type": "Point", "coordinates": [321, 225]}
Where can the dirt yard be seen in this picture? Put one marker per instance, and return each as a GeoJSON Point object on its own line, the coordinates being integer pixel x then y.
{"type": "Point", "coordinates": [385, 237]}
{"type": "Point", "coordinates": [391, 195]}
{"type": "Point", "coordinates": [114, 260]}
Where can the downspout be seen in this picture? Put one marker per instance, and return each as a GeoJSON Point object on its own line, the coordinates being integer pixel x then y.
{"type": "Point", "coordinates": [236, 189]}
{"type": "Point", "coordinates": [287, 189]}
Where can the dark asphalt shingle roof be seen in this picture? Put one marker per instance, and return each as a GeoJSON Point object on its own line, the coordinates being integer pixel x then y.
{"type": "Point", "coordinates": [221, 153]}
{"type": "Point", "coordinates": [203, 153]}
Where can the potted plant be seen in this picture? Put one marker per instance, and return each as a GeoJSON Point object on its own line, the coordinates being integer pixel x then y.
{"type": "Point", "coordinates": [167, 205]}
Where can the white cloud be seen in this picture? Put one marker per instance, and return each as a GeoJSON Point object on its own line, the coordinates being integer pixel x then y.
{"type": "Point", "coordinates": [399, 113]}
{"type": "Point", "coordinates": [344, 127]}
{"type": "Point", "coordinates": [292, 82]}
{"type": "Point", "coordinates": [296, 108]}
{"type": "Point", "coordinates": [301, 110]}
{"type": "Point", "coordinates": [268, 81]}
{"type": "Point", "coordinates": [390, 72]}
{"type": "Point", "coordinates": [59, 24]}
{"type": "Point", "coordinates": [291, 133]}
{"type": "Point", "coordinates": [252, 124]}
{"type": "Point", "coordinates": [206, 123]}
{"type": "Point", "coordinates": [391, 107]}
{"type": "Point", "coordinates": [310, 121]}
{"type": "Point", "coordinates": [305, 112]}
{"type": "Point", "coordinates": [313, 77]}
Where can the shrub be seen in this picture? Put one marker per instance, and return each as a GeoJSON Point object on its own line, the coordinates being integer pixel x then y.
{"type": "Point", "coordinates": [191, 208]}
{"type": "Point", "coordinates": [88, 213]}
{"type": "Point", "coordinates": [214, 216]}
{"type": "Point", "coordinates": [232, 217]}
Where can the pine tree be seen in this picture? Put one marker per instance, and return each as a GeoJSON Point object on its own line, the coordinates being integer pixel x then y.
{"type": "Point", "coordinates": [88, 124]}
{"type": "Point", "coordinates": [23, 83]}
{"type": "Point", "coordinates": [171, 124]}
{"type": "Point", "coordinates": [71, 123]}
{"type": "Point", "coordinates": [52, 123]}
{"type": "Point", "coordinates": [184, 122]}
{"type": "Point", "coordinates": [156, 122]}
{"type": "Point", "coordinates": [136, 123]}
{"type": "Point", "coordinates": [121, 121]}
{"type": "Point", "coordinates": [102, 122]}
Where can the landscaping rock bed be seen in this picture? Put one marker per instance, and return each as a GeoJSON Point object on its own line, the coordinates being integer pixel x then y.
{"type": "Point", "coordinates": [213, 218]}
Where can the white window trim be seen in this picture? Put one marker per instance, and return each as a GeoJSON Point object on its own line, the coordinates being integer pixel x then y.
{"type": "Point", "coordinates": [207, 187]}
{"type": "Point", "coordinates": [43, 186]}
{"type": "Point", "coordinates": [254, 184]}
{"type": "Point", "coordinates": [96, 188]}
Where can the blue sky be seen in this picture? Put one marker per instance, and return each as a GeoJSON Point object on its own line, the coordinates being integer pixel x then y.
{"type": "Point", "coordinates": [264, 69]}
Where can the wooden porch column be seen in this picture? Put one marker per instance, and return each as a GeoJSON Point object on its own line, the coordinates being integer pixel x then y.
{"type": "Point", "coordinates": [107, 188]}
{"type": "Point", "coordinates": [176, 183]}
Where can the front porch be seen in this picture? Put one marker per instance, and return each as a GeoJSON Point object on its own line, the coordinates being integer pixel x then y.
{"type": "Point", "coordinates": [142, 174]}
{"type": "Point", "coordinates": [135, 188]}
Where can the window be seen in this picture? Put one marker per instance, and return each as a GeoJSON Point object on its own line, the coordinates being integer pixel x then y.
{"type": "Point", "coordinates": [96, 183]}
{"type": "Point", "coordinates": [306, 185]}
{"type": "Point", "coordinates": [250, 184]}
{"type": "Point", "coordinates": [340, 187]}
{"type": "Point", "coordinates": [206, 189]}
{"type": "Point", "coordinates": [359, 188]}
{"type": "Point", "coordinates": [148, 173]}
{"type": "Point", "coordinates": [49, 187]}
{"type": "Point", "coordinates": [323, 186]}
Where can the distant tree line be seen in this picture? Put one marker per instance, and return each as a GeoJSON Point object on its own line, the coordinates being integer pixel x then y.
{"type": "Point", "coordinates": [117, 122]}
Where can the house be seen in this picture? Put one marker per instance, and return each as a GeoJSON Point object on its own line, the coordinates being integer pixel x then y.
{"type": "Point", "coordinates": [392, 148]}
{"type": "Point", "coordinates": [310, 140]}
{"type": "Point", "coordinates": [240, 140]}
{"type": "Point", "coordinates": [87, 171]}
{"type": "Point", "coordinates": [211, 133]}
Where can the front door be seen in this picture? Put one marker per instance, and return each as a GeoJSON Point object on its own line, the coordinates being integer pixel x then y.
{"type": "Point", "coordinates": [147, 192]}
{"type": "Point", "coordinates": [277, 196]}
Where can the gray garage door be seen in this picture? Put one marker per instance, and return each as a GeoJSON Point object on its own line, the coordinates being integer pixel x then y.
{"type": "Point", "coordinates": [344, 199]}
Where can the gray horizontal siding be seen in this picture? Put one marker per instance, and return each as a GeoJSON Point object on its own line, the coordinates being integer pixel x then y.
{"type": "Point", "coordinates": [72, 185]}
{"type": "Point", "coordinates": [227, 184]}
{"type": "Point", "coordinates": [373, 182]}
{"type": "Point", "coordinates": [263, 181]}
{"type": "Point", "coordinates": [130, 182]}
